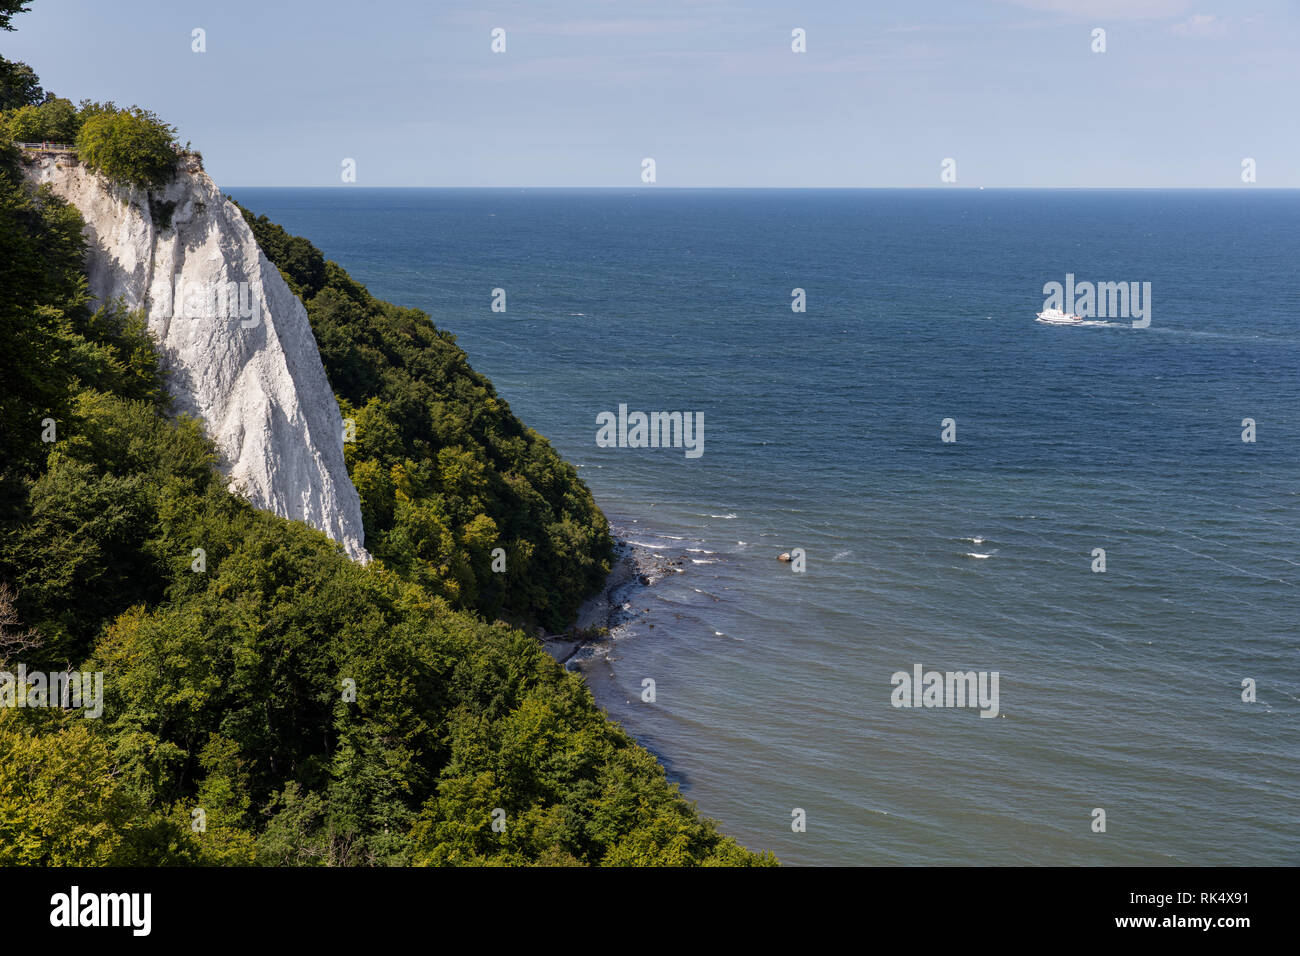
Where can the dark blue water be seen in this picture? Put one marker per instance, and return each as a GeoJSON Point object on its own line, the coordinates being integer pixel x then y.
{"type": "Point", "coordinates": [1119, 690]}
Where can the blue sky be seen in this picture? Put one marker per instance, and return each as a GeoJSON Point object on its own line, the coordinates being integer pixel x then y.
{"type": "Point", "coordinates": [1010, 89]}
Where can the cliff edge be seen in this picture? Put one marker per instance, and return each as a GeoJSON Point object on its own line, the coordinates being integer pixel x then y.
{"type": "Point", "coordinates": [235, 341]}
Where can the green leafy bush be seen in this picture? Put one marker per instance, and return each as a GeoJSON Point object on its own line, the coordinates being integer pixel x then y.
{"type": "Point", "coordinates": [24, 125]}
{"type": "Point", "coordinates": [132, 146]}
{"type": "Point", "coordinates": [54, 121]}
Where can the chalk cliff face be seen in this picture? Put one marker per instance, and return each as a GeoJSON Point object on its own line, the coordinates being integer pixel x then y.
{"type": "Point", "coordinates": [235, 341]}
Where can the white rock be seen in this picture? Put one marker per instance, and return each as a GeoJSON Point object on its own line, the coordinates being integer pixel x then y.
{"type": "Point", "coordinates": [243, 357]}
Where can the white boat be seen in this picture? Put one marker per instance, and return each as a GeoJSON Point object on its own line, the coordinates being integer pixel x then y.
{"type": "Point", "coordinates": [1057, 317]}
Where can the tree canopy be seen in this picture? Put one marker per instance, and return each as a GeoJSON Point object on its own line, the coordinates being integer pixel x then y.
{"type": "Point", "coordinates": [19, 85]}
{"type": "Point", "coordinates": [8, 8]}
{"type": "Point", "coordinates": [130, 145]}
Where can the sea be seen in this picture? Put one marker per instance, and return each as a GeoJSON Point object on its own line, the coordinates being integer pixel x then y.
{"type": "Point", "coordinates": [1102, 520]}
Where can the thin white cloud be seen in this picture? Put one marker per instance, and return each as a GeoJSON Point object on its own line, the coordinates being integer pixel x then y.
{"type": "Point", "coordinates": [1109, 9]}
{"type": "Point", "coordinates": [1199, 25]}
{"type": "Point", "coordinates": [626, 26]}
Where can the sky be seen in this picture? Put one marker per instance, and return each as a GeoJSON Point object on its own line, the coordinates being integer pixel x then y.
{"type": "Point", "coordinates": [1011, 90]}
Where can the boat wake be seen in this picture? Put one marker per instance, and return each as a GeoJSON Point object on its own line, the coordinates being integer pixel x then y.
{"type": "Point", "coordinates": [1078, 322]}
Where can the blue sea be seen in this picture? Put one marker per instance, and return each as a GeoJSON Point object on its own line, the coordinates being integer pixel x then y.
{"type": "Point", "coordinates": [1119, 691]}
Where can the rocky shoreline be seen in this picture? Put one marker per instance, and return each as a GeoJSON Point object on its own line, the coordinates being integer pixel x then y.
{"type": "Point", "coordinates": [600, 616]}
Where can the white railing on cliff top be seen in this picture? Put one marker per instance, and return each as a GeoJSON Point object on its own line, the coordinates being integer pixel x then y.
{"type": "Point", "coordinates": [69, 148]}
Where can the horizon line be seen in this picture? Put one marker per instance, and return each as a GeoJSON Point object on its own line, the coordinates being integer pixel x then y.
{"type": "Point", "coordinates": [657, 188]}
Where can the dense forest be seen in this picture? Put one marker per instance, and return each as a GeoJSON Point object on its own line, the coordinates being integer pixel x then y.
{"type": "Point", "coordinates": [283, 705]}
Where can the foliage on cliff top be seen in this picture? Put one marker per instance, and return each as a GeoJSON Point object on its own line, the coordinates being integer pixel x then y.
{"type": "Point", "coordinates": [127, 145]}
{"type": "Point", "coordinates": [130, 145]}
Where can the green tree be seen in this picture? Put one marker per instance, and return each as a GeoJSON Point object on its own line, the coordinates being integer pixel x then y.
{"type": "Point", "coordinates": [60, 120]}
{"type": "Point", "coordinates": [8, 8]}
{"type": "Point", "coordinates": [25, 125]}
{"type": "Point", "coordinates": [54, 120]}
{"type": "Point", "coordinates": [19, 85]}
{"type": "Point", "coordinates": [62, 804]}
{"type": "Point", "coordinates": [132, 146]}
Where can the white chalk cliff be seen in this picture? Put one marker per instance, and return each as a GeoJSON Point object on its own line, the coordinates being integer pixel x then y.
{"type": "Point", "coordinates": [235, 341]}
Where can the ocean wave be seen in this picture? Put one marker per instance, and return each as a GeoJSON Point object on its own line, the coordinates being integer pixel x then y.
{"type": "Point", "coordinates": [972, 554]}
{"type": "Point", "coordinates": [703, 561]}
{"type": "Point", "coordinates": [700, 551]}
{"type": "Point", "coordinates": [646, 544]}
{"type": "Point", "coordinates": [722, 516]}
